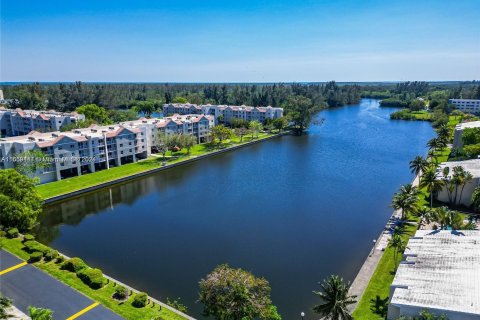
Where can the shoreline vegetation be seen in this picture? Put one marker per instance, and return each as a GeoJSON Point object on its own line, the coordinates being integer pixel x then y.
{"type": "Point", "coordinates": [151, 165]}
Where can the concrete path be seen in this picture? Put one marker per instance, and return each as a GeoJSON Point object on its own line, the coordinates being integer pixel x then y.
{"type": "Point", "coordinates": [28, 286]}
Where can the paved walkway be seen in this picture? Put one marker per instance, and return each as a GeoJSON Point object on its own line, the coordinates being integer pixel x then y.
{"type": "Point", "coordinates": [28, 286]}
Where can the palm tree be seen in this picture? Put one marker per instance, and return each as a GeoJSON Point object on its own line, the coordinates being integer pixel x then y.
{"type": "Point", "coordinates": [476, 198]}
{"type": "Point", "coordinates": [398, 244]}
{"type": "Point", "coordinates": [40, 313]}
{"type": "Point", "coordinates": [447, 218]}
{"type": "Point", "coordinates": [443, 132]}
{"type": "Point", "coordinates": [466, 178]}
{"type": "Point", "coordinates": [430, 181]}
{"type": "Point", "coordinates": [335, 299]}
{"type": "Point", "coordinates": [433, 144]}
{"type": "Point", "coordinates": [418, 165]}
{"type": "Point", "coordinates": [5, 303]}
{"type": "Point", "coordinates": [405, 199]}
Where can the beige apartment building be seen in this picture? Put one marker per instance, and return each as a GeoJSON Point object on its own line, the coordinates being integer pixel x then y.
{"type": "Point", "coordinates": [87, 150]}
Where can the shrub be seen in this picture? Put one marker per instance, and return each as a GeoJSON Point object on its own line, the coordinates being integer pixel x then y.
{"type": "Point", "coordinates": [91, 277]}
{"type": "Point", "coordinates": [74, 265]}
{"type": "Point", "coordinates": [60, 259]}
{"type": "Point", "coordinates": [51, 254]}
{"type": "Point", "coordinates": [120, 292]}
{"type": "Point", "coordinates": [2, 233]}
{"type": "Point", "coordinates": [33, 246]}
{"type": "Point", "coordinates": [28, 237]}
{"type": "Point", "coordinates": [12, 233]}
{"type": "Point", "coordinates": [140, 300]}
{"type": "Point", "coordinates": [35, 256]}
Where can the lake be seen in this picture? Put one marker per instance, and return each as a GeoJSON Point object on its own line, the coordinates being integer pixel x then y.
{"type": "Point", "coordinates": [293, 210]}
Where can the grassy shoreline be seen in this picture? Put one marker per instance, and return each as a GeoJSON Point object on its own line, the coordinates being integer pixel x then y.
{"type": "Point", "coordinates": [66, 186]}
{"type": "Point", "coordinates": [102, 295]}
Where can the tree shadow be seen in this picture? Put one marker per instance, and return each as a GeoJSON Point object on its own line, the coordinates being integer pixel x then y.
{"type": "Point", "coordinates": [379, 306]}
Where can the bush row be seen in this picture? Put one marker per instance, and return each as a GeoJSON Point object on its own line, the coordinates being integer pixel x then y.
{"type": "Point", "coordinates": [92, 277]}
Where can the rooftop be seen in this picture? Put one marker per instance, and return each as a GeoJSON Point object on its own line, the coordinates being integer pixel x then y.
{"type": "Point", "coordinates": [464, 125]}
{"type": "Point", "coordinates": [472, 166]}
{"type": "Point", "coordinates": [441, 271]}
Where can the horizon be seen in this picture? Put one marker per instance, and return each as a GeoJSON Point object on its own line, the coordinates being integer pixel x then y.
{"type": "Point", "coordinates": [249, 42]}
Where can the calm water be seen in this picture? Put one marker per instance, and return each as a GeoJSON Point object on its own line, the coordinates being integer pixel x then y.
{"type": "Point", "coordinates": [293, 209]}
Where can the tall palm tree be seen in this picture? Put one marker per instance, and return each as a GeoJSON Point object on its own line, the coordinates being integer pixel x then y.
{"type": "Point", "coordinates": [433, 144]}
{"type": "Point", "coordinates": [430, 181]}
{"type": "Point", "coordinates": [405, 199]}
{"type": "Point", "coordinates": [418, 165]}
{"type": "Point", "coordinates": [335, 299]}
{"type": "Point", "coordinates": [476, 199]}
{"type": "Point", "coordinates": [40, 313]}
{"type": "Point", "coordinates": [466, 178]}
{"type": "Point", "coordinates": [398, 244]}
{"type": "Point", "coordinates": [444, 132]}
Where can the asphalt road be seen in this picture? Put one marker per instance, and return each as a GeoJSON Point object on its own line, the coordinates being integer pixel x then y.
{"type": "Point", "coordinates": [29, 286]}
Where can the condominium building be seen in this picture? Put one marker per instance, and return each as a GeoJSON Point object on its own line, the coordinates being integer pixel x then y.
{"type": "Point", "coordinates": [95, 148]}
{"type": "Point", "coordinates": [464, 196]}
{"type": "Point", "coordinates": [226, 112]}
{"type": "Point", "coordinates": [440, 273]}
{"type": "Point", "coordinates": [17, 122]}
{"type": "Point", "coordinates": [458, 135]}
{"type": "Point", "coordinates": [466, 105]}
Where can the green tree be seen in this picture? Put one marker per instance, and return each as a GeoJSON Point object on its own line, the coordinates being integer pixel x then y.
{"type": "Point", "coordinates": [476, 199]}
{"type": "Point", "coordinates": [221, 133]}
{"type": "Point", "coordinates": [180, 100]}
{"type": "Point", "coordinates": [430, 181]}
{"type": "Point", "coordinates": [5, 303]}
{"type": "Point", "coordinates": [335, 299]}
{"type": "Point", "coordinates": [145, 107]}
{"type": "Point", "coordinates": [20, 204]}
{"type": "Point", "coordinates": [418, 165]}
{"type": "Point", "coordinates": [40, 313]}
{"type": "Point", "coordinates": [95, 113]}
{"type": "Point", "coordinates": [280, 123]}
{"type": "Point", "coordinates": [241, 132]}
{"type": "Point", "coordinates": [235, 294]}
{"type": "Point", "coordinates": [300, 112]}
{"type": "Point", "coordinates": [31, 161]}
{"type": "Point", "coordinates": [187, 141]}
{"type": "Point", "coordinates": [255, 127]}
{"type": "Point", "coordinates": [398, 244]}
{"type": "Point", "coordinates": [405, 200]}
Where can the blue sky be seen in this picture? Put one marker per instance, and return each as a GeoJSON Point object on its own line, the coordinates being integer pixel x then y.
{"type": "Point", "coordinates": [239, 41]}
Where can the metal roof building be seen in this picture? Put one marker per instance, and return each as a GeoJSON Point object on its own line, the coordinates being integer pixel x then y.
{"type": "Point", "coordinates": [441, 273]}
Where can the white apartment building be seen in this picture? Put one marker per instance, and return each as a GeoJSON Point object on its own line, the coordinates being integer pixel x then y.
{"type": "Point", "coordinates": [458, 135]}
{"type": "Point", "coordinates": [17, 122]}
{"type": "Point", "coordinates": [440, 273]}
{"type": "Point", "coordinates": [226, 112]}
{"type": "Point", "coordinates": [466, 105]}
{"type": "Point", "coordinates": [96, 148]}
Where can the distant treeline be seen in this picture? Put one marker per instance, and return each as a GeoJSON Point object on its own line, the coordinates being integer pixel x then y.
{"type": "Point", "coordinates": [69, 96]}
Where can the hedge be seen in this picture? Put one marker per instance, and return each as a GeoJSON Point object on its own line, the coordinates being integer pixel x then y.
{"type": "Point", "coordinates": [35, 256]}
{"type": "Point", "coordinates": [120, 292]}
{"type": "Point", "coordinates": [74, 265]}
{"type": "Point", "coordinates": [91, 277]}
{"type": "Point", "coordinates": [12, 233]}
{"type": "Point", "coordinates": [51, 254]}
{"type": "Point", "coordinates": [28, 237]}
{"type": "Point", "coordinates": [33, 246]}
{"type": "Point", "coordinates": [140, 300]}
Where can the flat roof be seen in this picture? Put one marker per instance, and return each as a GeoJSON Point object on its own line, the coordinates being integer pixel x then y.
{"type": "Point", "coordinates": [472, 166]}
{"type": "Point", "coordinates": [441, 271]}
{"type": "Point", "coordinates": [464, 125]}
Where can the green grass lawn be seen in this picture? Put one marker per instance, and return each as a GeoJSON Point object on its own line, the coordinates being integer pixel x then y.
{"type": "Point", "coordinates": [64, 186]}
{"type": "Point", "coordinates": [422, 115]}
{"type": "Point", "coordinates": [103, 295]}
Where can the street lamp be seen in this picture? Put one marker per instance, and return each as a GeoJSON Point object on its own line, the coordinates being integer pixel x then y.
{"type": "Point", "coordinates": [302, 314]}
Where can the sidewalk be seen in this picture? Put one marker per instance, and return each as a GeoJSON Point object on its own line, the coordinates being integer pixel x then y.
{"type": "Point", "coordinates": [28, 286]}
